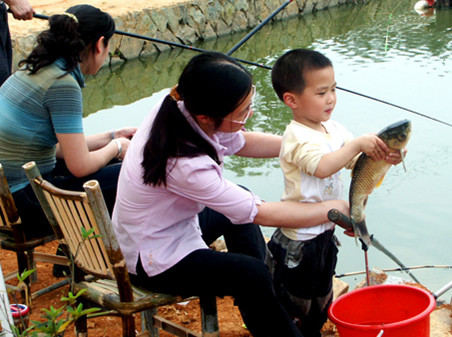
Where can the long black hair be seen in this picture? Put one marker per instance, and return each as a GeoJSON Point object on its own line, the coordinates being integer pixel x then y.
{"type": "Point", "coordinates": [212, 84]}
{"type": "Point", "coordinates": [69, 37]}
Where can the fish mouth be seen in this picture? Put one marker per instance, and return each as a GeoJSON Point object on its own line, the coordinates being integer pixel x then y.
{"type": "Point", "coordinates": [396, 135]}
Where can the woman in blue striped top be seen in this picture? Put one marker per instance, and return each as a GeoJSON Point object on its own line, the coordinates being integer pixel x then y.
{"type": "Point", "coordinates": [42, 111]}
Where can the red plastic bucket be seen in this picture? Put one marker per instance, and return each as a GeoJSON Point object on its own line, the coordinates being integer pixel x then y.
{"type": "Point", "coordinates": [20, 316]}
{"type": "Point", "coordinates": [383, 310]}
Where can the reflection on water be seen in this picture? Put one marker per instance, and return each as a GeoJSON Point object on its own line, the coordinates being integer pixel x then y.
{"type": "Point", "coordinates": [383, 49]}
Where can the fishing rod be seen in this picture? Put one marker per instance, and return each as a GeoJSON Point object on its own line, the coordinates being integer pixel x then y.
{"type": "Point", "coordinates": [344, 221]}
{"type": "Point", "coordinates": [442, 290]}
{"type": "Point", "coordinates": [260, 65]}
{"type": "Point", "coordinates": [426, 266]}
{"type": "Point", "coordinates": [246, 38]}
{"type": "Point", "coordinates": [153, 39]}
{"type": "Point", "coordinates": [395, 106]}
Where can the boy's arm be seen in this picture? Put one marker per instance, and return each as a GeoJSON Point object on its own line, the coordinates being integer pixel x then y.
{"type": "Point", "coordinates": [260, 145]}
{"type": "Point", "coordinates": [332, 162]}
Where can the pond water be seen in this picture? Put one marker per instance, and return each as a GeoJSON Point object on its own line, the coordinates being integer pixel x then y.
{"type": "Point", "coordinates": [382, 49]}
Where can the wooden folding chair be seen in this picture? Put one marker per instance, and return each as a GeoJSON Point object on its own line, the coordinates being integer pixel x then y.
{"type": "Point", "coordinates": [12, 237]}
{"type": "Point", "coordinates": [101, 258]}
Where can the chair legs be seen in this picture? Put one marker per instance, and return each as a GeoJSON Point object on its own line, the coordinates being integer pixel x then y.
{"type": "Point", "coordinates": [128, 326]}
{"type": "Point", "coordinates": [209, 321]}
{"type": "Point", "coordinates": [209, 317]}
{"type": "Point", "coordinates": [25, 261]}
{"type": "Point", "coordinates": [147, 322]}
{"type": "Point", "coordinates": [81, 327]}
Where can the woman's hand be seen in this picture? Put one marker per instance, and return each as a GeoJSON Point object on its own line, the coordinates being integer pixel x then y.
{"type": "Point", "coordinates": [127, 132]}
{"type": "Point", "coordinates": [124, 146]}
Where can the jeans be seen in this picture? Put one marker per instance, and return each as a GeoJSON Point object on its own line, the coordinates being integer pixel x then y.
{"type": "Point", "coordinates": [33, 218]}
{"type": "Point", "coordinates": [240, 273]}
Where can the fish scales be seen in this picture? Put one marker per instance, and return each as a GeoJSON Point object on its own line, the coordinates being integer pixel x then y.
{"type": "Point", "coordinates": [368, 173]}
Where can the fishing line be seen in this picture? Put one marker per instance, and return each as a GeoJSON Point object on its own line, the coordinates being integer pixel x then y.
{"type": "Point", "coordinates": [260, 65]}
{"type": "Point", "coordinates": [389, 24]}
{"type": "Point", "coordinates": [395, 106]}
{"type": "Point", "coordinates": [271, 16]}
{"type": "Point", "coordinates": [395, 269]}
{"type": "Point", "coordinates": [169, 43]}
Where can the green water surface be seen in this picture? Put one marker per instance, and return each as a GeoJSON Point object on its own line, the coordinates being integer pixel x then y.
{"type": "Point", "coordinates": [382, 49]}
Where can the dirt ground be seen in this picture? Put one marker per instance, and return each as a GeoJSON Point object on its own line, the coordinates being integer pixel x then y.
{"type": "Point", "coordinates": [49, 7]}
{"type": "Point", "coordinates": [187, 315]}
{"type": "Point", "coordinates": [231, 324]}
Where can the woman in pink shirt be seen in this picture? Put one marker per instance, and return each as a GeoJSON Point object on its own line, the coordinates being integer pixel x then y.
{"type": "Point", "coordinates": [173, 200]}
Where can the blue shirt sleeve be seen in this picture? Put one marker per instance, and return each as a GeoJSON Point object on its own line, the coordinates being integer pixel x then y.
{"type": "Point", "coordinates": [64, 102]}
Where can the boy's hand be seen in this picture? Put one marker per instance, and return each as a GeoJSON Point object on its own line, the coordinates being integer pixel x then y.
{"type": "Point", "coordinates": [373, 146]}
{"type": "Point", "coordinates": [395, 157]}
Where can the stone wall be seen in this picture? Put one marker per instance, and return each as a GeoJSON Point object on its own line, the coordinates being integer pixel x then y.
{"type": "Point", "coordinates": [187, 23]}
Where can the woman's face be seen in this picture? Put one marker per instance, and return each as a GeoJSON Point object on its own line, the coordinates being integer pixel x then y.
{"type": "Point", "coordinates": [95, 57]}
{"type": "Point", "coordinates": [235, 121]}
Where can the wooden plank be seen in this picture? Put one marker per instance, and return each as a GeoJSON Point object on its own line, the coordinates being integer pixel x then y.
{"type": "Point", "coordinates": [99, 241]}
{"type": "Point", "coordinates": [50, 258]}
{"type": "Point", "coordinates": [177, 330]}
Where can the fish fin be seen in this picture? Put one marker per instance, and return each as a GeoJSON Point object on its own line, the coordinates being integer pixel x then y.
{"type": "Point", "coordinates": [380, 182]}
{"type": "Point", "coordinates": [355, 231]}
{"type": "Point", "coordinates": [403, 159]}
{"type": "Point", "coordinates": [360, 230]}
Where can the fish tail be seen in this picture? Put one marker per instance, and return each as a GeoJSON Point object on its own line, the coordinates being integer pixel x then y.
{"type": "Point", "coordinates": [360, 230]}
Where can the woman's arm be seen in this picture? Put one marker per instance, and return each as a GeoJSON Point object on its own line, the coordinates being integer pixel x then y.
{"type": "Point", "coordinates": [292, 214]}
{"type": "Point", "coordinates": [74, 149]}
{"type": "Point", "coordinates": [260, 145]}
{"type": "Point", "coordinates": [96, 142]}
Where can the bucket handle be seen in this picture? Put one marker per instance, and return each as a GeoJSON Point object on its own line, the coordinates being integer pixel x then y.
{"type": "Point", "coordinates": [380, 333]}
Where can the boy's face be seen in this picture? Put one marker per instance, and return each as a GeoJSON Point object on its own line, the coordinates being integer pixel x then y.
{"type": "Point", "coordinates": [317, 101]}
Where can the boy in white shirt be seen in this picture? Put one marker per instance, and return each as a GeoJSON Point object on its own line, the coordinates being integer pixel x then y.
{"type": "Point", "coordinates": [314, 149]}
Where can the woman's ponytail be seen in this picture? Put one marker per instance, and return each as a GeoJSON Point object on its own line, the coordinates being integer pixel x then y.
{"type": "Point", "coordinates": [69, 34]}
{"type": "Point", "coordinates": [60, 40]}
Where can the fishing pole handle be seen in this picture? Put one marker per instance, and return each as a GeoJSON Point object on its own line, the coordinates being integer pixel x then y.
{"type": "Point", "coordinates": [40, 16]}
{"type": "Point", "coordinates": [340, 219]}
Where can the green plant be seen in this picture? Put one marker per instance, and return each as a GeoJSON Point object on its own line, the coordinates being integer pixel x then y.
{"type": "Point", "coordinates": [55, 324]}
{"type": "Point", "coordinates": [57, 321]}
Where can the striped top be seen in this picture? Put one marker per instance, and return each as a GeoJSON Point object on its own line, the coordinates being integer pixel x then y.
{"type": "Point", "coordinates": [33, 109]}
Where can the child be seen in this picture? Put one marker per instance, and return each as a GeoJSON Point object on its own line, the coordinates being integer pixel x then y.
{"type": "Point", "coordinates": [314, 149]}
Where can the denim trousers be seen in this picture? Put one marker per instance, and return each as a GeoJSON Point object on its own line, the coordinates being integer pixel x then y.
{"type": "Point", "coordinates": [240, 273]}
{"type": "Point", "coordinates": [33, 218]}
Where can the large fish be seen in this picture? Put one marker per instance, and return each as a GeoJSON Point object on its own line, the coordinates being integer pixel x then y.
{"type": "Point", "coordinates": [368, 174]}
